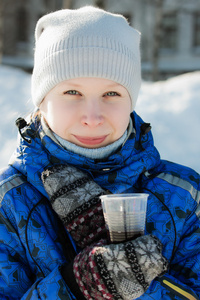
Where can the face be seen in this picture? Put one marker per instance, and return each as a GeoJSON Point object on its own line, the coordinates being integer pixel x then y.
{"type": "Point", "coordinates": [89, 112]}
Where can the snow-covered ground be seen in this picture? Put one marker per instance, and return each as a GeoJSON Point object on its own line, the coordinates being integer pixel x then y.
{"type": "Point", "coordinates": [172, 107]}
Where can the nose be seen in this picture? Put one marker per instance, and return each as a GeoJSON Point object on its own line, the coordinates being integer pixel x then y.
{"type": "Point", "coordinates": [92, 115]}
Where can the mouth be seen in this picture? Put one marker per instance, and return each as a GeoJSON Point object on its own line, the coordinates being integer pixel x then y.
{"type": "Point", "coordinates": [91, 141]}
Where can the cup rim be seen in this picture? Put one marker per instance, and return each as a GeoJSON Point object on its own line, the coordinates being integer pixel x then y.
{"type": "Point", "coordinates": [126, 196]}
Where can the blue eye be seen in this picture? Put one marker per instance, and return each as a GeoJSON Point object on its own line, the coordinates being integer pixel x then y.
{"type": "Point", "coordinates": [112, 94]}
{"type": "Point", "coordinates": [72, 92]}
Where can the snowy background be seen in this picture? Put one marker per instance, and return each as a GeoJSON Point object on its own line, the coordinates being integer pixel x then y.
{"type": "Point", "coordinates": [172, 107]}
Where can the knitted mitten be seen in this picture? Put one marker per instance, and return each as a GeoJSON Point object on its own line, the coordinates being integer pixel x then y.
{"type": "Point", "coordinates": [75, 198]}
{"type": "Point", "coordinates": [119, 271]}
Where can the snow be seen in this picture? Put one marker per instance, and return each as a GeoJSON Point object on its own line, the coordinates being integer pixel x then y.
{"type": "Point", "coordinates": [14, 102]}
{"type": "Point", "coordinates": [172, 107]}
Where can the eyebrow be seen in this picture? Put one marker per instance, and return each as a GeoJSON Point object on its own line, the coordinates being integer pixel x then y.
{"type": "Point", "coordinates": [114, 85]}
{"type": "Point", "coordinates": [74, 84]}
{"type": "Point", "coordinates": [109, 86]}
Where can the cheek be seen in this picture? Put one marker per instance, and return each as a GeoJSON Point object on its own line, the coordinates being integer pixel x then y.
{"type": "Point", "coordinates": [120, 118]}
{"type": "Point", "coordinates": [61, 118]}
{"type": "Point", "coordinates": [123, 124]}
{"type": "Point", "coordinates": [57, 119]}
{"type": "Point", "coordinates": [52, 114]}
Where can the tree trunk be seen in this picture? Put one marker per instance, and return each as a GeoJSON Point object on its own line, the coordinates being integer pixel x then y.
{"type": "Point", "coordinates": [157, 39]}
{"type": "Point", "coordinates": [1, 29]}
{"type": "Point", "coordinates": [99, 3]}
{"type": "Point", "coordinates": [67, 4]}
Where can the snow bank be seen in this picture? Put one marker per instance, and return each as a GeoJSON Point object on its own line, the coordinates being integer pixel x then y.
{"type": "Point", "coordinates": [14, 102]}
{"type": "Point", "coordinates": [173, 109]}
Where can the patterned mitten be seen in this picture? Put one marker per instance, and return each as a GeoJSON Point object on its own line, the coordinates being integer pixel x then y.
{"type": "Point", "coordinates": [75, 198]}
{"type": "Point", "coordinates": [119, 271]}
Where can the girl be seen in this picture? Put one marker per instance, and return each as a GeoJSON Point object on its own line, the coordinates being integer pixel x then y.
{"type": "Point", "coordinates": [85, 140]}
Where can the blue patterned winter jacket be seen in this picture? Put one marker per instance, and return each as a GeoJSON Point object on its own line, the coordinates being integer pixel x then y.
{"type": "Point", "coordinates": [34, 243]}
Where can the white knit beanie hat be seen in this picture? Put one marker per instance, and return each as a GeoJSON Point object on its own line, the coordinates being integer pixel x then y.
{"type": "Point", "coordinates": [87, 42]}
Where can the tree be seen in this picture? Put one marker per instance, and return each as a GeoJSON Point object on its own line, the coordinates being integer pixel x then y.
{"type": "Point", "coordinates": [179, 6]}
{"type": "Point", "coordinates": [99, 3]}
{"type": "Point", "coordinates": [157, 39]}
{"type": "Point", "coordinates": [1, 28]}
{"type": "Point", "coordinates": [67, 3]}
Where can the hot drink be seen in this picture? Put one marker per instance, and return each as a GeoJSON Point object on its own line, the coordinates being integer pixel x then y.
{"type": "Point", "coordinates": [124, 215]}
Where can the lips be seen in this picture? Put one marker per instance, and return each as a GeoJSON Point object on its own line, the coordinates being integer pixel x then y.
{"type": "Point", "coordinates": [90, 140]}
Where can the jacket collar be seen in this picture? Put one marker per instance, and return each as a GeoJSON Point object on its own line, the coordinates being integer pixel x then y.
{"type": "Point", "coordinates": [117, 173]}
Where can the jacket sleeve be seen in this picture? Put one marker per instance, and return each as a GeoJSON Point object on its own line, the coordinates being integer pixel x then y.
{"type": "Point", "coordinates": [17, 278]}
{"type": "Point", "coordinates": [182, 281]}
